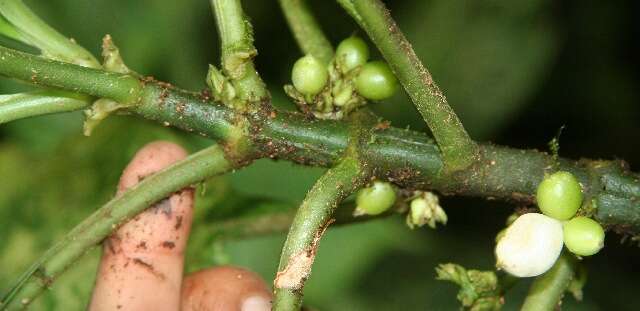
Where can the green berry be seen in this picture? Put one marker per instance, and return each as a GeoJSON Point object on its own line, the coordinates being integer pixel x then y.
{"type": "Point", "coordinates": [351, 53]}
{"type": "Point", "coordinates": [559, 195]}
{"type": "Point", "coordinates": [309, 76]}
{"type": "Point", "coordinates": [583, 236]}
{"type": "Point", "coordinates": [376, 199]}
{"type": "Point", "coordinates": [375, 81]}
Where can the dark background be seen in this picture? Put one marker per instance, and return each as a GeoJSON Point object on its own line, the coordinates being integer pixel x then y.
{"type": "Point", "coordinates": [515, 71]}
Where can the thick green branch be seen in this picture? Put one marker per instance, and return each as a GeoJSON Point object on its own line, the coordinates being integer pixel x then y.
{"type": "Point", "coordinates": [31, 104]}
{"type": "Point", "coordinates": [95, 228]}
{"type": "Point", "coordinates": [408, 158]}
{"type": "Point", "coordinates": [236, 39]}
{"type": "Point", "coordinates": [458, 149]}
{"type": "Point", "coordinates": [306, 30]}
{"type": "Point", "coordinates": [547, 290]}
{"type": "Point", "coordinates": [310, 222]}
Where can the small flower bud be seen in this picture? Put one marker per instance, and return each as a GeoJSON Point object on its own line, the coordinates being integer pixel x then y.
{"type": "Point", "coordinates": [426, 210]}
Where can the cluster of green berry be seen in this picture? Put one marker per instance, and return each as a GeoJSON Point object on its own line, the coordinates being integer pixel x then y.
{"type": "Point", "coordinates": [332, 91]}
{"type": "Point", "coordinates": [559, 196]}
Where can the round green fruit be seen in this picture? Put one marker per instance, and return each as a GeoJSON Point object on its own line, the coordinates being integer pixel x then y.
{"type": "Point", "coordinates": [375, 81]}
{"type": "Point", "coordinates": [583, 236]}
{"type": "Point", "coordinates": [559, 195]}
{"type": "Point", "coordinates": [376, 199]}
{"type": "Point", "coordinates": [309, 75]}
{"type": "Point", "coordinates": [352, 53]}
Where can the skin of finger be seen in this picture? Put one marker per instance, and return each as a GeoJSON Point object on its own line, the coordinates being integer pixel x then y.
{"type": "Point", "coordinates": [142, 262]}
{"type": "Point", "coordinates": [225, 288]}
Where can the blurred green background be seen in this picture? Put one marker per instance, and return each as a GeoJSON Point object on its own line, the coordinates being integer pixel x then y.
{"type": "Point", "coordinates": [515, 71]}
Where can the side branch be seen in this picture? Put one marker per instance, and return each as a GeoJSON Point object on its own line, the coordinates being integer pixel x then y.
{"type": "Point", "coordinates": [458, 149]}
{"type": "Point", "coordinates": [306, 30]}
{"type": "Point", "coordinates": [32, 30]}
{"type": "Point", "coordinates": [99, 225]}
{"type": "Point", "coordinates": [310, 222]}
{"type": "Point", "coordinates": [37, 103]}
{"type": "Point", "coordinates": [73, 78]}
{"type": "Point", "coordinates": [408, 158]}
{"type": "Point", "coordinates": [236, 39]}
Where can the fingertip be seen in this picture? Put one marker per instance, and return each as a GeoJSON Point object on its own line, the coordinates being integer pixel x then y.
{"type": "Point", "coordinates": [151, 158]}
{"type": "Point", "coordinates": [225, 288]}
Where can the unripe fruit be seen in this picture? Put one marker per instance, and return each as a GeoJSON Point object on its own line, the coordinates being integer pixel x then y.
{"type": "Point", "coordinates": [559, 195]}
{"type": "Point", "coordinates": [530, 246]}
{"type": "Point", "coordinates": [375, 81]}
{"type": "Point", "coordinates": [309, 76]}
{"type": "Point", "coordinates": [351, 53]}
{"type": "Point", "coordinates": [376, 199]}
{"type": "Point", "coordinates": [583, 236]}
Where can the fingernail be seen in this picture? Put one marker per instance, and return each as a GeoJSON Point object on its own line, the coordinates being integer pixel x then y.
{"type": "Point", "coordinates": [256, 303]}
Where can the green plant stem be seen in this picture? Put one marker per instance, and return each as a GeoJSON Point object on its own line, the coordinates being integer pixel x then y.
{"type": "Point", "coordinates": [201, 165]}
{"type": "Point", "coordinates": [458, 149]}
{"type": "Point", "coordinates": [73, 78]}
{"type": "Point", "coordinates": [36, 32]}
{"type": "Point", "coordinates": [236, 39]}
{"type": "Point", "coordinates": [312, 218]}
{"type": "Point", "coordinates": [37, 103]}
{"type": "Point", "coordinates": [306, 30]}
{"type": "Point", "coordinates": [410, 159]}
{"type": "Point", "coordinates": [547, 290]}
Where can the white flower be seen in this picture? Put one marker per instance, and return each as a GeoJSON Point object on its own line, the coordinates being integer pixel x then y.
{"type": "Point", "coordinates": [530, 246]}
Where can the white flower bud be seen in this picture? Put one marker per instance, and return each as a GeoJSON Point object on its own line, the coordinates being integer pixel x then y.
{"type": "Point", "coordinates": [530, 246]}
{"type": "Point", "coordinates": [426, 210]}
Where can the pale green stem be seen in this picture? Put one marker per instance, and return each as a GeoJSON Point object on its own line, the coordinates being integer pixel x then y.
{"type": "Point", "coordinates": [306, 30]}
{"type": "Point", "coordinates": [39, 34]}
{"type": "Point", "coordinates": [37, 103]}
{"type": "Point", "coordinates": [313, 217]}
{"type": "Point", "coordinates": [206, 163]}
{"type": "Point", "coordinates": [458, 149]}
{"type": "Point", "coordinates": [236, 39]}
{"type": "Point", "coordinates": [547, 290]}
{"type": "Point", "coordinates": [8, 30]}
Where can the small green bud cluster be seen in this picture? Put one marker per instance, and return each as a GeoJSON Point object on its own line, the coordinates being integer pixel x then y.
{"type": "Point", "coordinates": [479, 290]}
{"type": "Point", "coordinates": [332, 91]}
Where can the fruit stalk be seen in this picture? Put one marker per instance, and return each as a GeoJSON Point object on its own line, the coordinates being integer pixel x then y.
{"type": "Point", "coordinates": [306, 30]}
